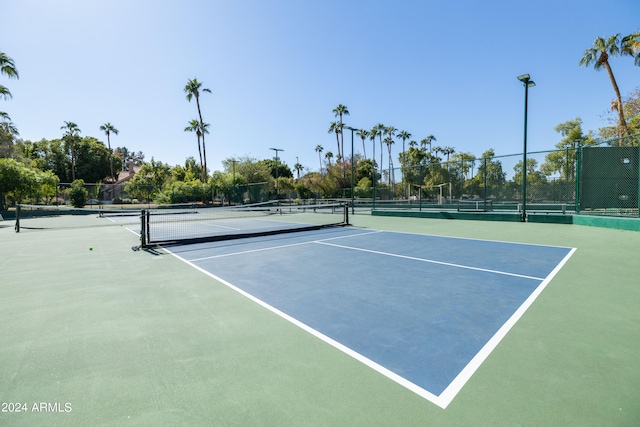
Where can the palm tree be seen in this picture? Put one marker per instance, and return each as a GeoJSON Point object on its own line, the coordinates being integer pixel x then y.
{"type": "Point", "coordinates": [598, 55]}
{"type": "Point", "coordinates": [8, 68]}
{"type": "Point", "coordinates": [8, 132]}
{"type": "Point", "coordinates": [427, 140]}
{"type": "Point", "coordinates": [319, 150]}
{"type": "Point", "coordinates": [448, 151]}
{"type": "Point", "coordinates": [298, 168]}
{"type": "Point", "coordinates": [389, 141]}
{"type": "Point", "coordinates": [109, 129]}
{"type": "Point", "coordinates": [363, 134]}
{"type": "Point", "coordinates": [339, 111]}
{"type": "Point", "coordinates": [437, 150]}
{"type": "Point", "coordinates": [334, 127]}
{"type": "Point", "coordinates": [380, 130]}
{"type": "Point", "coordinates": [71, 133]}
{"type": "Point", "coordinates": [194, 126]}
{"type": "Point", "coordinates": [192, 89]}
{"type": "Point", "coordinates": [631, 46]}
{"type": "Point", "coordinates": [404, 135]}
{"type": "Point", "coordinates": [372, 136]}
{"type": "Point", "coordinates": [328, 156]}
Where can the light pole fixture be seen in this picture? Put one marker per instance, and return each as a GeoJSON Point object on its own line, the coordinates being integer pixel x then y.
{"type": "Point", "coordinates": [352, 186]}
{"type": "Point", "coordinates": [277, 192]}
{"type": "Point", "coordinates": [526, 80]}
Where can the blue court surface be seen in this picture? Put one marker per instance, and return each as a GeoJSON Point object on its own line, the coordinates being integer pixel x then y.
{"type": "Point", "coordinates": [423, 310]}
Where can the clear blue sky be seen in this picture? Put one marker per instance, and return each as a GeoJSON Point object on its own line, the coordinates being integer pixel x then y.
{"type": "Point", "coordinates": [277, 68]}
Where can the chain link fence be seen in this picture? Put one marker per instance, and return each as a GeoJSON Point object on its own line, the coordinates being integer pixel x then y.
{"type": "Point", "coordinates": [179, 192]}
{"type": "Point", "coordinates": [597, 179]}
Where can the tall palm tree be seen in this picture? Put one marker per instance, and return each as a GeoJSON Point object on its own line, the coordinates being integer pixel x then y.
{"type": "Point", "coordinates": [598, 55]}
{"type": "Point", "coordinates": [334, 127]}
{"type": "Point", "coordinates": [448, 151]}
{"type": "Point", "coordinates": [404, 135]}
{"type": "Point", "coordinates": [8, 68]}
{"type": "Point", "coordinates": [70, 135]}
{"type": "Point", "coordinates": [428, 140]}
{"type": "Point", "coordinates": [193, 89]}
{"type": "Point", "coordinates": [109, 129]}
{"type": "Point", "coordinates": [298, 168]}
{"type": "Point", "coordinates": [319, 150]}
{"type": "Point", "coordinates": [363, 134]}
{"type": "Point", "coordinates": [328, 155]}
{"type": "Point", "coordinates": [389, 141]}
{"type": "Point", "coordinates": [339, 111]}
{"type": "Point", "coordinates": [380, 127]}
{"type": "Point", "coordinates": [194, 126]}
{"type": "Point", "coordinates": [372, 136]}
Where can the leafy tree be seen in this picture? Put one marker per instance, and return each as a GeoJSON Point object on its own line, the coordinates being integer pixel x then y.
{"type": "Point", "coordinates": [193, 89]}
{"type": "Point", "coordinates": [8, 68]}
{"type": "Point", "coordinates": [283, 168]}
{"type": "Point", "coordinates": [128, 157]}
{"type": "Point", "coordinates": [93, 160]}
{"type": "Point", "coordinates": [490, 172]}
{"type": "Point", "coordinates": [631, 107]}
{"type": "Point", "coordinates": [78, 194]}
{"type": "Point", "coordinates": [190, 172]}
{"type": "Point", "coordinates": [563, 160]}
{"type": "Point", "coordinates": [149, 181]}
{"type": "Point", "coordinates": [249, 168]}
{"type": "Point", "coordinates": [109, 129]}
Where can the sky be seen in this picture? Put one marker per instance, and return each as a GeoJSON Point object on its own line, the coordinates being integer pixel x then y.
{"type": "Point", "coordinates": [277, 68]}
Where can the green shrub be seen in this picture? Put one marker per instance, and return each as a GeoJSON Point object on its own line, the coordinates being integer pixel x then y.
{"type": "Point", "coordinates": [78, 194]}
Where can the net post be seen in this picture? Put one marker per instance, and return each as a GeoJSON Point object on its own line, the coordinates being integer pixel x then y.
{"type": "Point", "coordinates": [143, 228]}
{"type": "Point", "coordinates": [346, 213]}
{"type": "Point", "coordinates": [17, 226]}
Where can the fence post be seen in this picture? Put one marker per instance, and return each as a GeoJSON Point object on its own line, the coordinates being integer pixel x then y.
{"type": "Point", "coordinates": [578, 168]}
{"type": "Point", "coordinates": [566, 176]}
{"type": "Point", "coordinates": [485, 182]}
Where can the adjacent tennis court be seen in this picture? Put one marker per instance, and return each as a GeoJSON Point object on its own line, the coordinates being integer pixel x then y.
{"type": "Point", "coordinates": [386, 322]}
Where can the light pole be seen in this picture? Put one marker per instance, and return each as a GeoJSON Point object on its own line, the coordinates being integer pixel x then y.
{"type": "Point", "coordinates": [277, 192]}
{"type": "Point", "coordinates": [352, 186]}
{"type": "Point", "coordinates": [526, 80]}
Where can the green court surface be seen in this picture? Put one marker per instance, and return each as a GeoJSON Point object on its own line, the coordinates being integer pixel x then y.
{"type": "Point", "coordinates": [112, 337]}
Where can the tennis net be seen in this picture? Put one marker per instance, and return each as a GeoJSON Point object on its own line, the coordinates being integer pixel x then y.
{"type": "Point", "coordinates": [161, 227]}
{"type": "Point", "coordinates": [42, 217]}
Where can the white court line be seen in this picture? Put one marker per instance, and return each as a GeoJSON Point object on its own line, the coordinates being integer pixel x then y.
{"type": "Point", "coordinates": [278, 247]}
{"type": "Point", "coordinates": [486, 270]}
{"type": "Point", "coordinates": [461, 379]}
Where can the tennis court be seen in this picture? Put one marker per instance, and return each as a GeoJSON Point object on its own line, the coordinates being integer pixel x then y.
{"type": "Point", "coordinates": [419, 309]}
{"type": "Point", "coordinates": [387, 322]}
